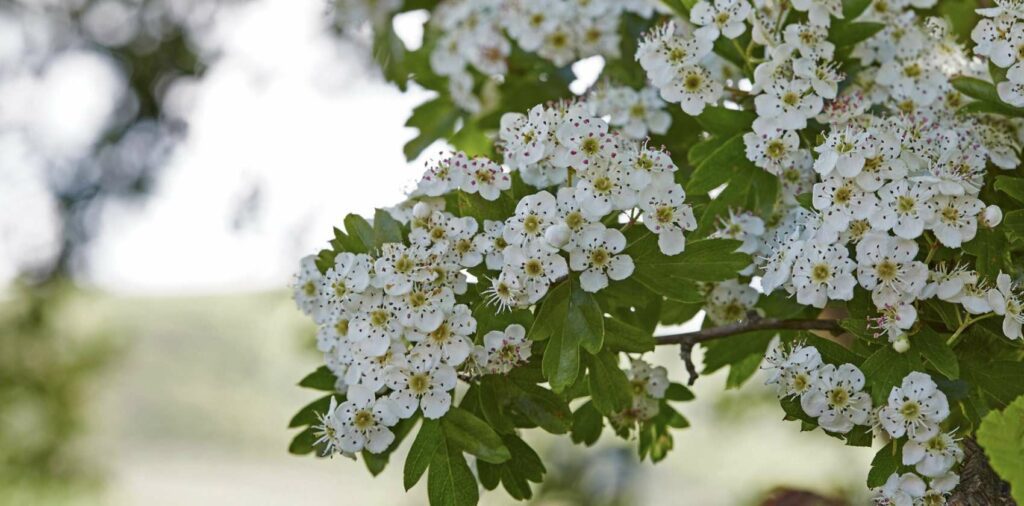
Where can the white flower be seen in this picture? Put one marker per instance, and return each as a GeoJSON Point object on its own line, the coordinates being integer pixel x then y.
{"type": "Point", "coordinates": [533, 215]}
{"type": "Point", "coordinates": [692, 88]}
{"type": "Point", "coordinates": [955, 219]}
{"type": "Point", "coordinates": [786, 105]}
{"type": "Point", "coordinates": [596, 257]}
{"type": "Point", "coordinates": [773, 151]}
{"type": "Point", "coordinates": [369, 370]}
{"type": "Point", "coordinates": [820, 12]}
{"type": "Point", "coordinates": [894, 320]}
{"type": "Point", "coordinates": [536, 268]}
{"type": "Point", "coordinates": [845, 151]}
{"type": "Point", "coordinates": [821, 272]}
{"type": "Point", "coordinates": [635, 113]}
{"type": "Point", "coordinates": [900, 490]}
{"type": "Point", "coordinates": [365, 420]}
{"type": "Point", "coordinates": [792, 373]}
{"type": "Point", "coordinates": [451, 341]}
{"type": "Point", "coordinates": [743, 226]}
{"type": "Point", "coordinates": [917, 80]}
{"type": "Point", "coordinates": [916, 408]}
{"type": "Point", "coordinates": [840, 200]}
{"type": "Point", "coordinates": [661, 53]}
{"type": "Point", "coordinates": [886, 266]}
{"type": "Point", "coordinates": [570, 215]}
{"type": "Point", "coordinates": [904, 208]}
{"type": "Point", "coordinates": [824, 76]}
{"type": "Point", "coordinates": [445, 175]}
{"type": "Point", "coordinates": [344, 282]}
{"type": "Point", "coordinates": [424, 307]}
{"type": "Point", "coordinates": [506, 349]}
{"type": "Point", "coordinates": [376, 325]}
{"type": "Point", "coordinates": [328, 431]}
{"type": "Point", "coordinates": [1006, 302]}
{"type": "Point", "coordinates": [810, 40]}
{"type": "Point", "coordinates": [486, 178]}
{"type": "Point", "coordinates": [991, 217]}
{"type": "Point", "coordinates": [666, 215]}
{"type": "Point", "coordinates": [933, 457]}
{"type": "Point", "coordinates": [647, 380]}
{"type": "Point", "coordinates": [306, 286]}
{"type": "Point", "coordinates": [399, 266]}
{"type": "Point", "coordinates": [730, 301]}
{"type": "Point", "coordinates": [506, 290]}
{"type": "Point", "coordinates": [423, 383]}
{"type": "Point", "coordinates": [1011, 90]}
{"type": "Point", "coordinates": [492, 243]}
{"type": "Point", "coordinates": [720, 17]}
{"type": "Point", "coordinates": [524, 137]}
{"type": "Point", "coordinates": [836, 399]}
{"type": "Point", "coordinates": [582, 140]}
{"type": "Point", "coordinates": [605, 187]}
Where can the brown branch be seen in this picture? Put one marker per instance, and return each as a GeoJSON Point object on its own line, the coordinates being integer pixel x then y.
{"type": "Point", "coordinates": [688, 340]}
{"type": "Point", "coordinates": [749, 325]}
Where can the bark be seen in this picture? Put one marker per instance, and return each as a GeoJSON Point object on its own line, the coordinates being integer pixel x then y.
{"type": "Point", "coordinates": [979, 484]}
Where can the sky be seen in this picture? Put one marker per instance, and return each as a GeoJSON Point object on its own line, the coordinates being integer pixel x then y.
{"type": "Point", "coordinates": [289, 130]}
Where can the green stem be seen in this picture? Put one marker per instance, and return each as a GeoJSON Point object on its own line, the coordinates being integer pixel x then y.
{"type": "Point", "coordinates": [963, 326]}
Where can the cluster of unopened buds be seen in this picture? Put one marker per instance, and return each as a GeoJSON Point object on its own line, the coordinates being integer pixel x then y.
{"type": "Point", "coordinates": [914, 410]}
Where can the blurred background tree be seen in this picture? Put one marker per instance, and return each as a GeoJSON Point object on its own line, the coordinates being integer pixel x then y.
{"type": "Point", "coordinates": [136, 52]}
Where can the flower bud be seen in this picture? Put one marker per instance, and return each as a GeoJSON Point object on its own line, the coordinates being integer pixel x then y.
{"type": "Point", "coordinates": [421, 210]}
{"type": "Point", "coordinates": [901, 344]}
{"type": "Point", "coordinates": [558, 235]}
{"type": "Point", "coordinates": [992, 216]}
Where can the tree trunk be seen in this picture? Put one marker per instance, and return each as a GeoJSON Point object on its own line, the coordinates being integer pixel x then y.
{"type": "Point", "coordinates": [979, 484]}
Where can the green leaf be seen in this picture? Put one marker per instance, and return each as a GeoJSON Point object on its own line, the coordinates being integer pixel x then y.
{"type": "Point", "coordinates": [427, 442]}
{"type": "Point", "coordinates": [450, 482]}
{"type": "Point", "coordinates": [360, 231]}
{"type": "Point", "coordinates": [976, 88]}
{"type": "Point", "coordinates": [587, 423]}
{"type": "Point", "coordinates": [623, 337]}
{"type": "Point", "coordinates": [571, 318]}
{"type": "Point", "coordinates": [885, 369]}
{"type": "Point", "coordinates": [390, 53]}
{"type": "Point", "coordinates": [302, 443]}
{"type": "Point", "coordinates": [385, 228]}
{"type": "Point", "coordinates": [848, 34]}
{"type": "Point", "coordinates": [435, 119]}
{"type": "Point", "coordinates": [718, 168]}
{"type": "Point", "coordinates": [886, 462]}
{"type": "Point", "coordinates": [542, 407]}
{"type": "Point", "coordinates": [1002, 436]}
{"type": "Point", "coordinates": [474, 205]}
{"type": "Point", "coordinates": [308, 414]}
{"type": "Point", "coordinates": [376, 462]}
{"type": "Point", "coordinates": [610, 389]}
{"type": "Point", "coordinates": [679, 393]}
{"type": "Point", "coordinates": [934, 349]}
{"type": "Point", "coordinates": [474, 436]}
{"type": "Point", "coordinates": [1012, 186]}
{"type": "Point", "coordinates": [704, 260]}
{"type": "Point", "coordinates": [732, 351]}
{"type": "Point", "coordinates": [989, 247]}
{"type": "Point", "coordinates": [743, 370]}
{"type": "Point", "coordinates": [320, 379]}
{"type": "Point", "coordinates": [1000, 379]}
{"type": "Point", "coordinates": [854, 8]}
{"type": "Point", "coordinates": [1013, 225]}
{"type": "Point", "coordinates": [726, 122]}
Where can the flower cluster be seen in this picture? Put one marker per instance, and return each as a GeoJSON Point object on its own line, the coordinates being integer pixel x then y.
{"type": "Point", "coordinates": [914, 410]}
{"type": "Point", "coordinates": [472, 36]}
{"type": "Point", "coordinates": [894, 164]}
{"type": "Point", "coordinates": [391, 327]}
{"type": "Point", "coordinates": [636, 113]}
{"type": "Point", "coordinates": [649, 386]}
{"type": "Point", "coordinates": [999, 37]}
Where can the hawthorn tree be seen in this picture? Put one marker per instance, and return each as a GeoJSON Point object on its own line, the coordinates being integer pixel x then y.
{"type": "Point", "coordinates": [833, 185]}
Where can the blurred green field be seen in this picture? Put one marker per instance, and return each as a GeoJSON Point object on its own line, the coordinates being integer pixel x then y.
{"type": "Point", "coordinates": [194, 406]}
